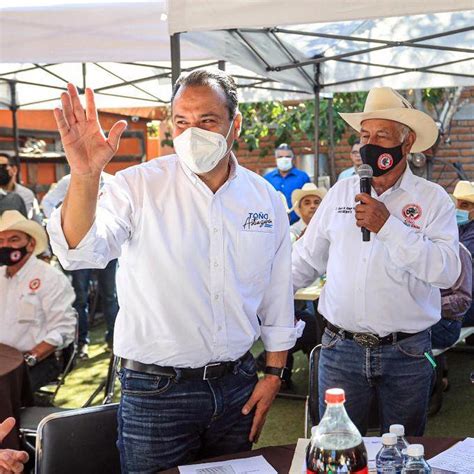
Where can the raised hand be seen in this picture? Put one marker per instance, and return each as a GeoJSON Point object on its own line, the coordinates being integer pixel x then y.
{"type": "Point", "coordinates": [87, 149]}
{"type": "Point", "coordinates": [10, 460]}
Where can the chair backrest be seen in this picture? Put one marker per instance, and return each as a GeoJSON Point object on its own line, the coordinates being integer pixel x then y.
{"type": "Point", "coordinates": [78, 441]}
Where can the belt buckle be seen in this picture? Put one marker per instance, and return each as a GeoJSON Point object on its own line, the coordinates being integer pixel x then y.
{"type": "Point", "coordinates": [204, 375]}
{"type": "Point", "coordinates": [366, 340]}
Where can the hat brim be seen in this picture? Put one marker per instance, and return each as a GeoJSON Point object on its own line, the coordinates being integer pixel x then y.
{"type": "Point", "coordinates": [464, 197]}
{"type": "Point", "coordinates": [299, 194]}
{"type": "Point", "coordinates": [422, 124]}
{"type": "Point", "coordinates": [34, 230]}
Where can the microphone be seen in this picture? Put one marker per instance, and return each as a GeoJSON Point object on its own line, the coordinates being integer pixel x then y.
{"type": "Point", "coordinates": [365, 173]}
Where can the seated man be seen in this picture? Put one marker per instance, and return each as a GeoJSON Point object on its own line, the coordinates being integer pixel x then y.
{"type": "Point", "coordinates": [305, 202]}
{"type": "Point", "coordinates": [36, 313]}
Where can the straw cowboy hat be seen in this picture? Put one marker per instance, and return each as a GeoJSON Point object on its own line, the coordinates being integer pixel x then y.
{"type": "Point", "coordinates": [14, 220]}
{"type": "Point", "coordinates": [464, 191]}
{"type": "Point", "coordinates": [309, 189]}
{"type": "Point", "coordinates": [385, 103]}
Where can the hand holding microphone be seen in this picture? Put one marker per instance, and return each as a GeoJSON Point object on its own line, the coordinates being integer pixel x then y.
{"type": "Point", "coordinates": [371, 214]}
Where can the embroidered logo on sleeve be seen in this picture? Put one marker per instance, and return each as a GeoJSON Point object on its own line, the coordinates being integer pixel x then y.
{"type": "Point", "coordinates": [35, 284]}
{"type": "Point", "coordinates": [411, 213]}
{"type": "Point", "coordinates": [258, 221]}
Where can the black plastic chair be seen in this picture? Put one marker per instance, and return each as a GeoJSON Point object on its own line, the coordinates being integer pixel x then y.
{"type": "Point", "coordinates": [78, 441]}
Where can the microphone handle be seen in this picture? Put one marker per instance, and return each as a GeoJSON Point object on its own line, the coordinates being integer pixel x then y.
{"type": "Point", "coordinates": [365, 185]}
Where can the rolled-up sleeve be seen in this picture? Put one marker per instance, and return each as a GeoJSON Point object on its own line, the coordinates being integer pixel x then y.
{"type": "Point", "coordinates": [431, 255]}
{"type": "Point", "coordinates": [111, 228]}
{"type": "Point", "coordinates": [276, 311]}
{"type": "Point", "coordinates": [59, 313]}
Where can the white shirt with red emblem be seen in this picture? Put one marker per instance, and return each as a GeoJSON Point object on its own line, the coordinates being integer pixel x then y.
{"type": "Point", "coordinates": [36, 306]}
{"type": "Point", "coordinates": [391, 283]}
{"type": "Point", "coordinates": [201, 275]}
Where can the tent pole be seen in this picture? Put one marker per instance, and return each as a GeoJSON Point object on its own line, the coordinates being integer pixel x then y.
{"type": "Point", "coordinates": [317, 90]}
{"type": "Point", "coordinates": [332, 162]}
{"type": "Point", "coordinates": [16, 133]}
{"type": "Point", "coordinates": [175, 58]}
{"type": "Point", "coordinates": [221, 65]}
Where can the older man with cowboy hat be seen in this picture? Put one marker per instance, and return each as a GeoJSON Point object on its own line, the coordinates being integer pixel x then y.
{"type": "Point", "coordinates": [305, 203]}
{"type": "Point", "coordinates": [36, 313]}
{"type": "Point", "coordinates": [381, 296]}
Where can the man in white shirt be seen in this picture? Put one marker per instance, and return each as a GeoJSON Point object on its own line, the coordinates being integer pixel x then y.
{"type": "Point", "coordinates": [36, 313]}
{"type": "Point", "coordinates": [305, 202]}
{"type": "Point", "coordinates": [382, 296]}
{"type": "Point", "coordinates": [204, 271]}
{"type": "Point", "coordinates": [8, 176]}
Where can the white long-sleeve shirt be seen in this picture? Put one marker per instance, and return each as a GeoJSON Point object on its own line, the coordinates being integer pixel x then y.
{"type": "Point", "coordinates": [391, 283]}
{"type": "Point", "coordinates": [36, 306]}
{"type": "Point", "coordinates": [195, 268]}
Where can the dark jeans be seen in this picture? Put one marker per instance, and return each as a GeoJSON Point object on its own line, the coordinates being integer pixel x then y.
{"type": "Point", "coordinates": [445, 333]}
{"type": "Point", "coordinates": [399, 375]}
{"type": "Point", "coordinates": [44, 372]}
{"type": "Point", "coordinates": [164, 422]}
{"type": "Point", "coordinates": [108, 293]}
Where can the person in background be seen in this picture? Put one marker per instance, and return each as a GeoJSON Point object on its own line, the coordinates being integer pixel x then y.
{"type": "Point", "coordinates": [8, 182]}
{"type": "Point", "coordinates": [305, 203]}
{"type": "Point", "coordinates": [356, 162]}
{"type": "Point", "coordinates": [381, 296]}
{"type": "Point", "coordinates": [36, 313]}
{"type": "Point", "coordinates": [286, 178]}
{"type": "Point", "coordinates": [11, 460]}
{"type": "Point", "coordinates": [464, 194]}
{"type": "Point", "coordinates": [81, 278]}
{"type": "Point", "coordinates": [11, 202]}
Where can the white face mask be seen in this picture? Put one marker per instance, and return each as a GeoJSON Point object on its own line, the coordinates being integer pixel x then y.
{"type": "Point", "coordinates": [201, 150]}
{"type": "Point", "coordinates": [284, 163]}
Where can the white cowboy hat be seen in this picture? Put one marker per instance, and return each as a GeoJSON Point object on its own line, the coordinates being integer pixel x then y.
{"type": "Point", "coordinates": [308, 189]}
{"type": "Point", "coordinates": [14, 220]}
{"type": "Point", "coordinates": [464, 191]}
{"type": "Point", "coordinates": [385, 103]}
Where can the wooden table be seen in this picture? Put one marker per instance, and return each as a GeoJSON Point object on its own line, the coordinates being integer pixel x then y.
{"type": "Point", "coordinates": [280, 456]}
{"type": "Point", "coordinates": [15, 390]}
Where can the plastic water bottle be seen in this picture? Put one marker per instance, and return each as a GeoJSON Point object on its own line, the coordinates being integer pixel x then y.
{"type": "Point", "coordinates": [415, 463]}
{"type": "Point", "coordinates": [389, 458]}
{"type": "Point", "coordinates": [402, 443]}
{"type": "Point", "coordinates": [336, 445]}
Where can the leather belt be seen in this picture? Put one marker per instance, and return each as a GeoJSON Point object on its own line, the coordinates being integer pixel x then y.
{"type": "Point", "coordinates": [208, 372]}
{"type": "Point", "coordinates": [369, 340]}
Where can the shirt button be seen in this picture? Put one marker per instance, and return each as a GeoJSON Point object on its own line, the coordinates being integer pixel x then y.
{"type": "Point", "coordinates": [216, 230]}
{"type": "Point", "coordinates": [216, 297]}
{"type": "Point", "coordinates": [219, 328]}
{"type": "Point", "coordinates": [216, 264]}
{"type": "Point", "coordinates": [364, 260]}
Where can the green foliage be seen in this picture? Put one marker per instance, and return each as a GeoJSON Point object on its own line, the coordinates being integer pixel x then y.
{"type": "Point", "coordinates": [289, 123]}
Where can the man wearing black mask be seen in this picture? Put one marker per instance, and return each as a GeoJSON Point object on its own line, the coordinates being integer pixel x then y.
{"type": "Point", "coordinates": [381, 297]}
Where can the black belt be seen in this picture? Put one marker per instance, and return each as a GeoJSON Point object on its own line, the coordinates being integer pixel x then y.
{"type": "Point", "coordinates": [210, 371]}
{"type": "Point", "coordinates": [366, 339]}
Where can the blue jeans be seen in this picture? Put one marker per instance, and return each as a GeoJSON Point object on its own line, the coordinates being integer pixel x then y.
{"type": "Point", "coordinates": [108, 294]}
{"type": "Point", "coordinates": [445, 333]}
{"type": "Point", "coordinates": [164, 422]}
{"type": "Point", "coordinates": [399, 375]}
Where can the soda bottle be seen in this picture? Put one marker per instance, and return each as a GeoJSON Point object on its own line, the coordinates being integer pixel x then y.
{"type": "Point", "coordinates": [336, 445]}
{"type": "Point", "coordinates": [415, 463]}
{"type": "Point", "coordinates": [402, 443]}
{"type": "Point", "coordinates": [389, 458]}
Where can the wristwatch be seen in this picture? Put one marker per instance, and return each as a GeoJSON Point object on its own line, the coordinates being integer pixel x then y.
{"type": "Point", "coordinates": [30, 359]}
{"type": "Point", "coordinates": [278, 371]}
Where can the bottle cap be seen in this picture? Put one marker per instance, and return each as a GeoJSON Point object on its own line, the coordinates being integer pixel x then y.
{"type": "Point", "coordinates": [399, 430]}
{"type": "Point", "coordinates": [415, 450]}
{"type": "Point", "coordinates": [335, 395]}
{"type": "Point", "coordinates": [389, 439]}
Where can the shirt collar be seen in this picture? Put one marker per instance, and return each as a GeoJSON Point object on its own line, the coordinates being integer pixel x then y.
{"type": "Point", "coordinates": [406, 181]}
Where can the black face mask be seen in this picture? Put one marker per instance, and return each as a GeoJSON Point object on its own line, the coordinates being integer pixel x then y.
{"type": "Point", "coordinates": [381, 159]}
{"type": "Point", "coordinates": [4, 176]}
{"type": "Point", "coordinates": [10, 256]}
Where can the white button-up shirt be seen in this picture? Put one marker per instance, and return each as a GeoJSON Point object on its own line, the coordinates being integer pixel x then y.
{"type": "Point", "coordinates": [36, 306]}
{"type": "Point", "coordinates": [201, 276]}
{"type": "Point", "coordinates": [391, 283]}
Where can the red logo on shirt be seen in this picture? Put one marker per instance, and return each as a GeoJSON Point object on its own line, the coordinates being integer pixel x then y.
{"type": "Point", "coordinates": [35, 284]}
{"type": "Point", "coordinates": [412, 212]}
{"type": "Point", "coordinates": [385, 161]}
